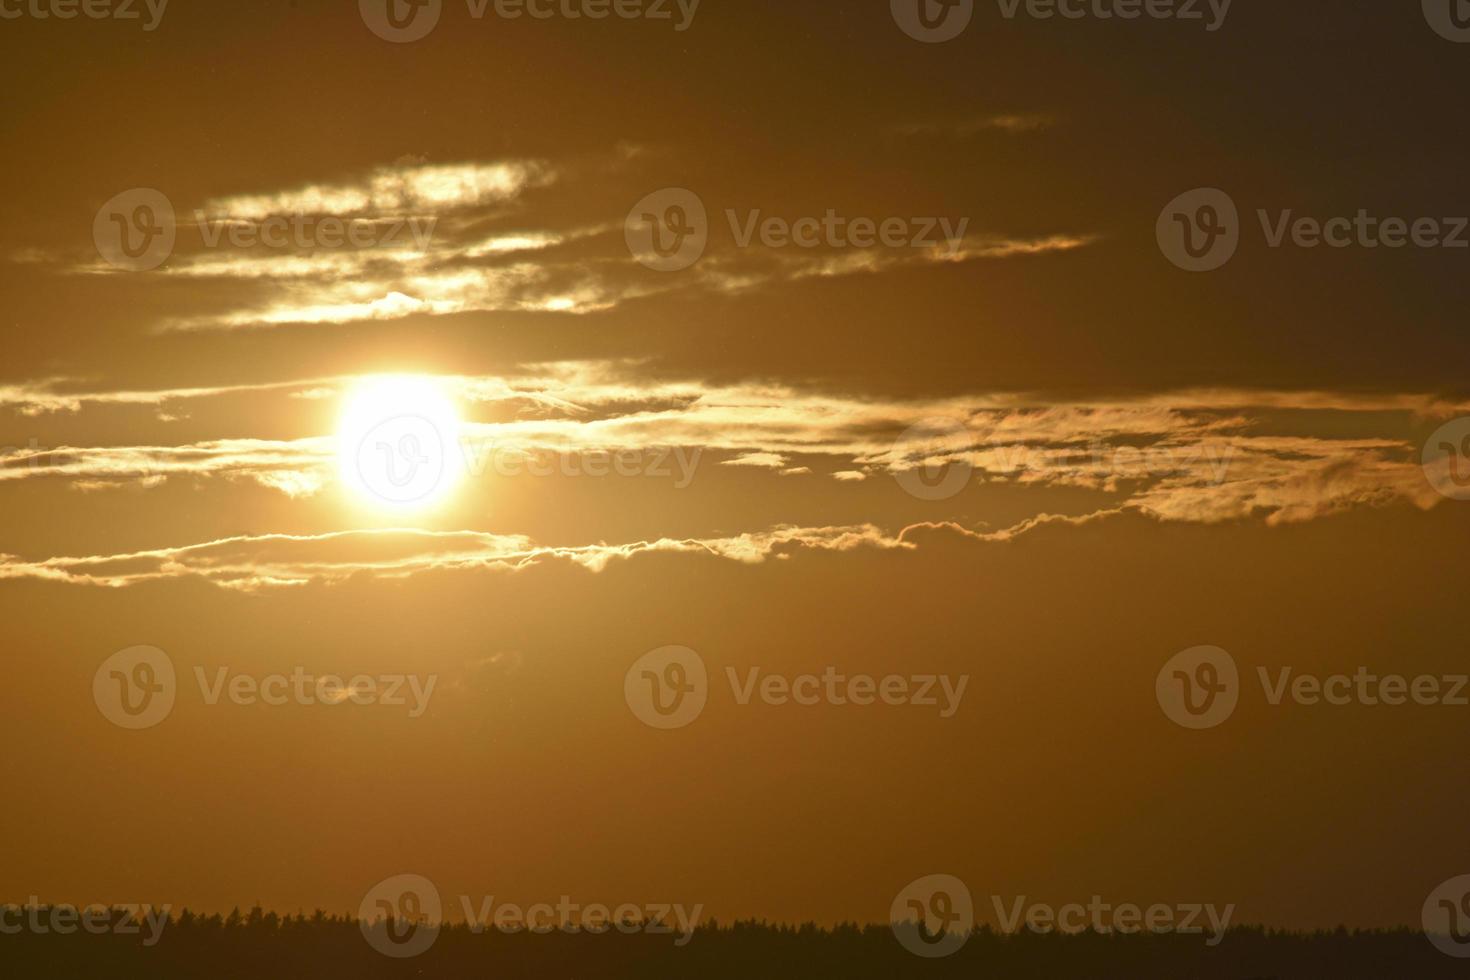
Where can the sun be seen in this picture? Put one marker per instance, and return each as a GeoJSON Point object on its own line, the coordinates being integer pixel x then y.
{"type": "Point", "coordinates": [398, 442]}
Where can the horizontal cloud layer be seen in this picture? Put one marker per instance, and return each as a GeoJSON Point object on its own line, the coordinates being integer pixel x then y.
{"type": "Point", "coordinates": [1202, 456]}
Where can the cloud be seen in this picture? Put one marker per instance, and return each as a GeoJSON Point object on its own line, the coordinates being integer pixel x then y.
{"type": "Point", "coordinates": [1206, 455]}
{"type": "Point", "coordinates": [971, 248]}
{"type": "Point", "coordinates": [52, 395]}
{"type": "Point", "coordinates": [275, 561]}
{"type": "Point", "coordinates": [296, 468]}
{"type": "Point", "coordinates": [400, 189]}
{"type": "Point", "coordinates": [262, 563]}
{"type": "Point", "coordinates": [768, 461]}
{"type": "Point", "coordinates": [414, 239]}
{"type": "Point", "coordinates": [1004, 123]}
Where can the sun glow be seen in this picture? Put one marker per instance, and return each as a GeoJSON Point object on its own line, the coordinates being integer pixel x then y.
{"type": "Point", "coordinates": [398, 442]}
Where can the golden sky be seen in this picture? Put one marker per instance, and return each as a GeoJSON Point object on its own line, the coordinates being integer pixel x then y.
{"type": "Point", "coordinates": [736, 451]}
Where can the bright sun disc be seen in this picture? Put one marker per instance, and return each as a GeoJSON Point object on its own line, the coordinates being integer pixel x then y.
{"type": "Point", "coordinates": [398, 442]}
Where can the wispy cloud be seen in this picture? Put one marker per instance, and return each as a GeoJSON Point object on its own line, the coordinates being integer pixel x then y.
{"type": "Point", "coordinates": [1205, 455]}
{"type": "Point", "coordinates": [399, 189]}
{"type": "Point", "coordinates": [442, 239]}
{"type": "Point", "coordinates": [272, 561]}
{"type": "Point", "coordinates": [970, 125]}
{"type": "Point", "coordinates": [297, 469]}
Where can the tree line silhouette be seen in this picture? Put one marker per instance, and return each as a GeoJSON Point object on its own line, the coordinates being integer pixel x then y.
{"type": "Point", "coordinates": [261, 945]}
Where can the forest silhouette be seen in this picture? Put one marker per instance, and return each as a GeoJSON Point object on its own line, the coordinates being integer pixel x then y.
{"type": "Point", "coordinates": [261, 944]}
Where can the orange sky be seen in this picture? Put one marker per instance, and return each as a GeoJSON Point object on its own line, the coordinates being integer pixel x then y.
{"type": "Point", "coordinates": [722, 449]}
